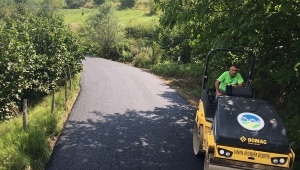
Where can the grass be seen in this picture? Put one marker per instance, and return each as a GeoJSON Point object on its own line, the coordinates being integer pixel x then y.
{"type": "Point", "coordinates": [32, 149]}
{"type": "Point", "coordinates": [77, 17]}
{"type": "Point", "coordinates": [130, 16]}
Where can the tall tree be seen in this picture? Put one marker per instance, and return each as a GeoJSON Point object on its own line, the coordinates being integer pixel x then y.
{"type": "Point", "coordinates": [48, 5]}
{"type": "Point", "coordinates": [74, 4]}
{"type": "Point", "coordinates": [99, 2]}
{"type": "Point", "coordinates": [127, 3]}
{"type": "Point", "coordinates": [104, 30]}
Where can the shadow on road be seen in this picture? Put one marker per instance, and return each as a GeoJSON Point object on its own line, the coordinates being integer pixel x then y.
{"type": "Point", "coordinates": [159, 139]}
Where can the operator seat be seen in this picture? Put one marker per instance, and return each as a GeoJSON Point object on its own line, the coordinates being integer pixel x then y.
{"type": "Point", "coordinates": [209, 103]}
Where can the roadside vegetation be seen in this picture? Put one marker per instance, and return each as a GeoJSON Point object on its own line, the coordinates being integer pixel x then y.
{"type": "Point", "coordinates": [31, 149]}
{"type": "Point", "coordinates": [38, 53]}
{"type": "Point", "coordinates": [171, 39]}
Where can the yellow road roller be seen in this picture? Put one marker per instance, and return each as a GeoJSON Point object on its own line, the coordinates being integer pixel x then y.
{"type": "Point", "coordinates": [237, 130]}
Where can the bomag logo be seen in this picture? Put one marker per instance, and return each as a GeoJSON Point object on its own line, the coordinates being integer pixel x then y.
{"type": "Point", "coordinates": [243, 139]}
{"type": "Point", "coordinates": [255, 141]}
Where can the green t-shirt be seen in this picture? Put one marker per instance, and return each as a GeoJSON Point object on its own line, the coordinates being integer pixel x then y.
{"type": "Point", "coordinates": [225, 79]}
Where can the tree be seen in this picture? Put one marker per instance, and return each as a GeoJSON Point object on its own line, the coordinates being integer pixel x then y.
{"type": "Point", "coordinates": [153, 6]}
{"type": "Point", "coordinates": [48, 5]}
{"type": "Point", "coordinates": [176, 44]}
{"type": "Point", "coordinates": [37, 50]}
{"type": "Point", "coordinates": [127, 3]}
{"type": "Point", "coordinates": [20, 1]}
{"type": "Point", "coordinates": [74, 4]}
{"type": "Point", "coordinates": [104, 30]}
{"type": "Point", "coordinates": [99, 2]}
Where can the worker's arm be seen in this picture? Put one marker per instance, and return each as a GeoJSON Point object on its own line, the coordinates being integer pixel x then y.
{"type": "Point", "coordinates": [240, 80]}
{"type": "Point", "coordinates": [217, 83]}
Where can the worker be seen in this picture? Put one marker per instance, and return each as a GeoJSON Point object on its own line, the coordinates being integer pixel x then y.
{"type": "Point", "coordinates": [231, 77]}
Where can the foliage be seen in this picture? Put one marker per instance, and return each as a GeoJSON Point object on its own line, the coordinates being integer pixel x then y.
{"type": "Point", "coordinates": [176, 44]}
{"type": "Point", "coordinates": [6, 2]}
{"type": "Point", "coordinates": [127, 4]}
{"type": "Point", "coordinates": [296, 69]}
{"type": "Point", "coordinates": [166, 68]}
{"type": "Point", "coordinates": [252, 25]}
{"type": "Point", "coordinates": [104, 31]}
{"type": "Point", "coordinates": [175, 69]}
{"type": "Point", "coordinates": [146, 31]}
{"type": "Point", "coordinates": [143, 57]}
{"type": "Point", "coordinates": [75, 4]}
{"type": "Point", "coordinates": [6, 12]}
{"type": "Point", "coordinates": [99, 2]}
{"type": "Point", "coordinates": [31, 149]}
{"type": "Point", "coordinates": [20, 1]}
{"type": "Point", "coordinates": [49, 5]}
{"type": "Point", "coordinates": [122, 51]}
{"type": "Point", "coordinates": [29, 42]}
{"type": "Point", "coordinates": [153, 8]}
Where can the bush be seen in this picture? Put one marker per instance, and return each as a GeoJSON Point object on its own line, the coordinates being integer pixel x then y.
{"type": "Point", "coordinates": [126, 57]}
{"type": "Point", "coordinates": [89, 5]}
{"type": "Point", "coordinates": [174, 69]}
{"type": "Point", "coordinates": [176, 43]}
{"type": "Point", "coordinates": [167, 68]}
{"type": "Point", "coordinates": [48, 5]}
{"type": "Point", "coordinates": [127, 3]}
{"type": "Point", "coordinates": [153, 7]}
{"type": "Point", "coordinates": [75, 4]}
{"type": "Point", "coordinates": [20, 1]}
{"type": "Point", "coordinates": [122, 51]}
{"type": "Point", "coordinates": [145, 31]}
{"type": "Point", "coordinates": [104, 31]}
{"type": "Point", "coordinates": [99, 2]}
{"type": "Point", "coordinates": [143, 58]}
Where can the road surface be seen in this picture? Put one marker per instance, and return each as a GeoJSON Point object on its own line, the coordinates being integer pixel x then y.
{"type": "Point", "coordinates": [125, 119]}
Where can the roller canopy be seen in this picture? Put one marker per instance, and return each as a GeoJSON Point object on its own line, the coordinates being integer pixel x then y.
{"type": "Point", "coordinates": [249, 123]}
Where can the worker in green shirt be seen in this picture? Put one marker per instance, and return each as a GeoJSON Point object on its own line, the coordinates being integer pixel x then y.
{"type": "Point", "coordinates": [228, 77]}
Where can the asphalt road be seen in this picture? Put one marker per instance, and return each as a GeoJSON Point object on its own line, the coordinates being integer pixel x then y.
{"type": "Point", "coordinates": [125, 119]}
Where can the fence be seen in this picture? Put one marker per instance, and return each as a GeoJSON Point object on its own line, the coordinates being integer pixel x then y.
{"type": "Point", "coordinates": [28, 134]}
{"type": "Point", "coordinates": [52, 105]}
{"type": "Point", "coordinates": [25, 115]}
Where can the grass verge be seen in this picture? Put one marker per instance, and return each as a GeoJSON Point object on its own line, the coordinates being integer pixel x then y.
{"type": "Point", "coordinates": [32, 149]}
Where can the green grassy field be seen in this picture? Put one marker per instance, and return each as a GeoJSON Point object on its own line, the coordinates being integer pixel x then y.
{"type": "Point", "coordinates": [130, 16]}
{"type": "Point", "coordinates": [76, 17]}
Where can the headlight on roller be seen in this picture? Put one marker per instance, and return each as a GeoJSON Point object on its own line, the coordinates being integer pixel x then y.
{"type": "Point", "coordinates": [224, 152]}
{"type": "Point", "coordinates": [279, 160]}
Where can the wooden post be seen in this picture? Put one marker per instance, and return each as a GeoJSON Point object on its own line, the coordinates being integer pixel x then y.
{"type": "Point", "coordinates": [70, 76]}
{"type": "Point", "coordinates": [25, 115]}
{"type": "Point", "coordinates": [178, 61]}
{"type": "Point", "coordinates": [66, 89]}
{"type": "Point", "coordinates": [53, 102]}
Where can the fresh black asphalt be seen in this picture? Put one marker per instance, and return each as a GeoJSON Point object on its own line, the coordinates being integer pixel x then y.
{"type": "Point", "coordinates": [125, 119]}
